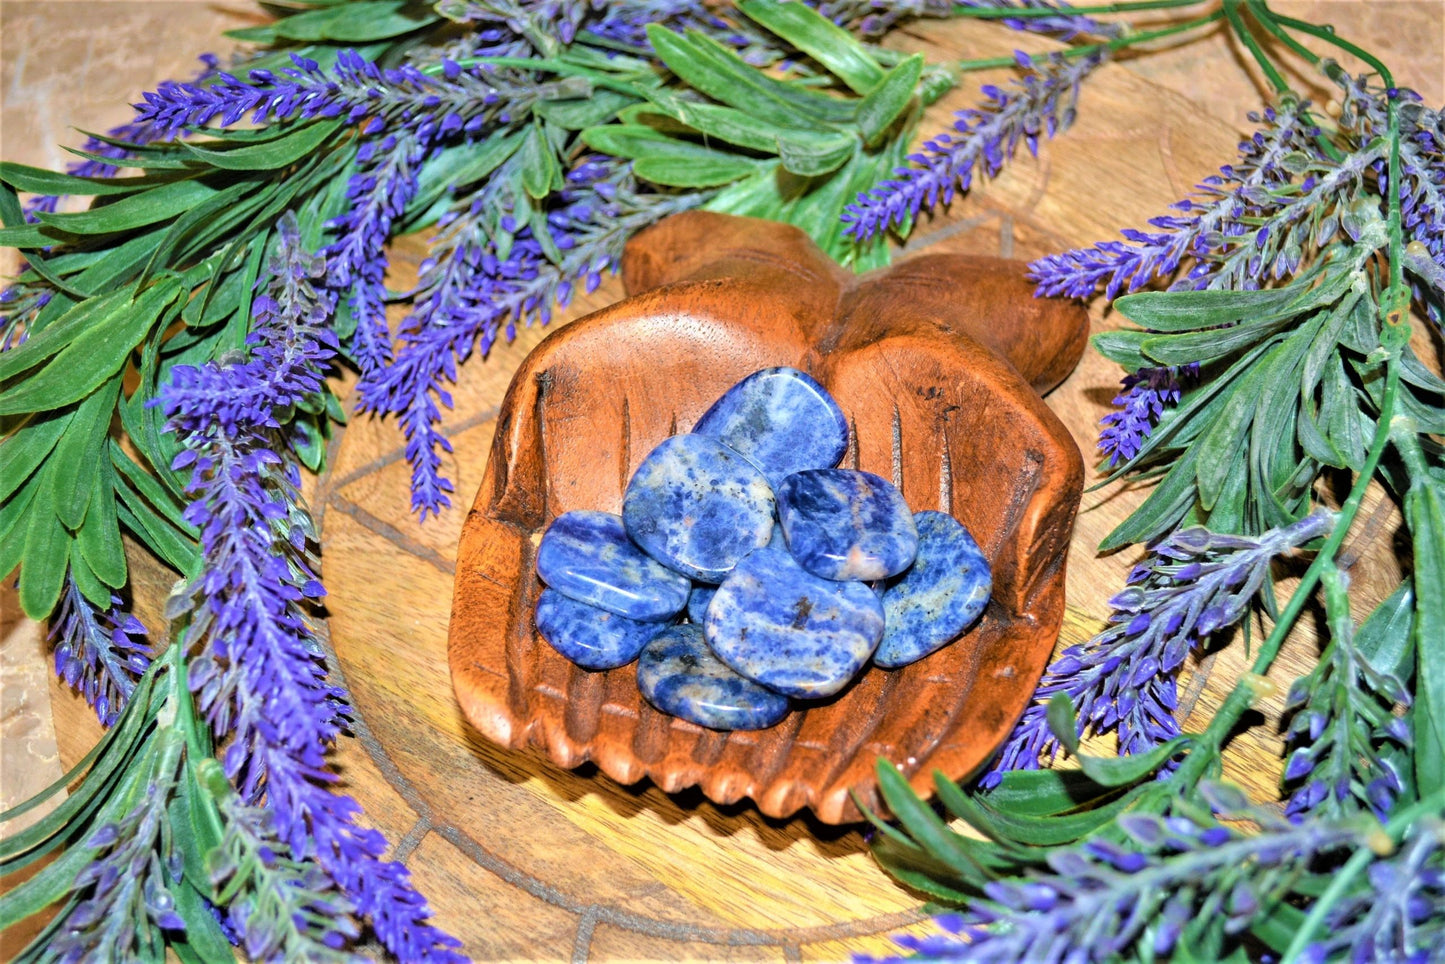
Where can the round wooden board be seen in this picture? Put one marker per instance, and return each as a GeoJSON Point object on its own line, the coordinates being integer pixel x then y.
{"type": "Point", "coordinates": [523, 860]}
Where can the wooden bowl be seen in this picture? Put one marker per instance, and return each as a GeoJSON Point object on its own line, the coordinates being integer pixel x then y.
{"type": "Point", "coordinates": [938, 363]}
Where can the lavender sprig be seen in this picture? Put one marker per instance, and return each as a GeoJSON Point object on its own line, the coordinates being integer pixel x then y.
{"type": "Point", "coordinates": [20, 303]}
{"type": "Point", "coordinates": [1342, 715]}
{"type": "Point", "coordinates": [285, 909]}
{"type": "Point", "coordinates": [874, 18]}
{"type": "Point", "coordinates": [261, 675]}
{"type": "Point", "coordinates": [983, 138]}
{"type": "Point", "coordinates": [1101, 901]}
{"type": "Point", "coordinates": [126, 888]}
{"type": "Point", "coordinates": [1399, 916]}
{"type": "Point", "coordinates": [1193, 584]}
{"type": "Point", "coordinates": [95, 652]}
{"type": "Point", "coordinates": [469, 294]}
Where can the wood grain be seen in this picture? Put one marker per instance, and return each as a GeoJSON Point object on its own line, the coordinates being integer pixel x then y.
{"type": "Point", "coordinates": [525, 860]}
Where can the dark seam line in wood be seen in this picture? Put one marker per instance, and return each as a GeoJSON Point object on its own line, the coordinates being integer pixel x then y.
{"type": "Point", "coordinates": [393, 535]}
{"type": "Point", "coordinates": [1195, 689]}
{"type": "Point", "coordinates": [930, 238]}
{"type": "Point", "coordinates": [582, 943]}
{"type": "Point", "coordinates": [398, 453]}
{"type": "Point", "coordinates": [412, 839]}
{"type": "Point", "coordinates": [792, 954]}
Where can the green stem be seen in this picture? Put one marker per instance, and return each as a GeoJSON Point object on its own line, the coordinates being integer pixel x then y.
{"type": "Point", "coordinates": [1246, 36]}
{"type": "Point", "coordinates": [1029, 13]}
{"type": "Point", "coordinates": [1119, 43]}
{"type": "Point", "coordinates": [1239, 699]}
{"type": "Point", "coordinates": [1262, 15]}
{"type": "Point", "coordinates": [1328, 35]}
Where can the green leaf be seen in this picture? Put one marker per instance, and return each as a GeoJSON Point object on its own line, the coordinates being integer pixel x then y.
{"type": "Point", "coordinates": [1207, 346]}
{"type": "Point", "coordinates": [1062, 722]}
{"type": "Point", "coordinates": [1197, 310]}
{"type": "Point", "coordinates": [1385, 638]}
{"type": "Point", "coordinates": [23, 451]}
{"type": "Point", "coordinates": [912, 867]}
{"type": "Point", "coordinates": [81, 451]}
{"type": "Point", "coordinates": [1060, 829]}
{"type": "Point", "coordinates": [925, 826]}
{"type": "Point", "coordinates": [1043, 793]}
{"type": "Point", "coordinates": [47, 549]}
{"type": "Point", "coordinates": [886, 102]}
{"type": "Point", "coordinates": [99, 538]}
{"type": "Point", "coordinates": [203, 941]}
{"type": "Point", "coordinates": [575, 114]}
{"type": "Point", "coordinates": [15, 523]}
{"type": "Point", "coordinates": [1425, 516]}
{"type": "Point", "coordinates": [269, 155]}
{"type": "Point", "coordinates": [28, 236]}
{"type": "Point", "coordinates": [1124, 771]}
{"type": "Point", "coordinates": [157, 204]}
{"type": "Point", "coordinates": [679, 171]}
{"type": "Point", "coordinates": [55, 336]}
{"type": "Point", "coordinates": [92, 355]}
{"type": "Point", "coordinates": [540, 172]}
{"type": "Point", "coordinates": [37, 180]}
{"type": "Point", "coordinates": [812, 155]}
{"type": "Point", "coordinates": [145, 484]}
{"type": "Point", "coordinates": [90, 585]}
{"type": "Point", "coordinates": [819, 38]}
{"type": "Point", "coordinates": [714, 121]}
{"type": "Point", "coordinates": [1122, 346]}
{"type": "Point", "coordinates": [724, 76]}
{"type": "Point", "coordinates": [1162, 510]}
{"type": "Point", "coordinates": [356, 22]}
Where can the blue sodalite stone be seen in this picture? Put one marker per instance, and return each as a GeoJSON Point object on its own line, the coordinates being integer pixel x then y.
{"type": "Point", "coordinates": [697, 603]}
{"type": "Point", "coordinates": [782, 420]}
{"type": "Point", "coordinates": [698, 507]}
{"type": "Point", "coordinates": [678, 674]}
{"type": "Point", "coordinates": [590, 637]}
{"type": "Point", "coordinates": [790, 630]}
{"type": "Point", "coordinates": [935, 600]}
{"type": "Point", "coordinates": [777, 540]}
{"type": "Point", "coordinates": [846, 524]}
{"type": "Point", "coordinates": [588, 557]}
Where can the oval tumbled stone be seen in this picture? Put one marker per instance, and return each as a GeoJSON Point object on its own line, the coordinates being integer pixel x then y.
{"type": "Point", "coordinates": [846, 524]}
{"type": "Point", "coordinates": [782, 420]}
{"type": "Point", "coordinates": [698, 602]}
{"type": "Point", "coordinates": [698, 507]}
{"type": "Point", "coordinates": [588, 557]}
{"type": "Point", "coordinates": [791, 630]}
{"type": "Point", "coordinates": [939, 597]}
{"type": "Point", "coordinates": [678, 674]}
{"type": "Point", "coordinates": [590, 637]}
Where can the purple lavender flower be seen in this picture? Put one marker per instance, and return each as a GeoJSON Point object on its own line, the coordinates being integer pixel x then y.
{"type": "Point", "coordinates": [1103, 901]}
{"type": "Point", "coordinates": [874, 18]}
{"type": "Point", "coordinates": [1042, 102]}
{"type": "Point", "coordinates": [469, 293]}
{"type": "Point", "coordinates": [1194, 584]}
{"type": "Point", "coordinates": [94, 651]}
{"type": "Point", "coordinates": [124, 893]}
{"type": "Point", "coordinates": [1146, 394]}
{"type": "Point", "coordinates": [260, 676]}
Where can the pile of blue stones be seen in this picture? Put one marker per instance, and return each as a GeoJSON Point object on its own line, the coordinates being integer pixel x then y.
{"type": "Point", "coordinates": [746, 569]}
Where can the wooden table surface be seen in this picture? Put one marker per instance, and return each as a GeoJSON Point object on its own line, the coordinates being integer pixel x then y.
{"type": "Point", "coordinates": [523, 860]}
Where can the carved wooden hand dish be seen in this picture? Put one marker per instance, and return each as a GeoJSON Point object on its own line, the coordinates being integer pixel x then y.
{"type": "Point", "coordinates": [937, 362]}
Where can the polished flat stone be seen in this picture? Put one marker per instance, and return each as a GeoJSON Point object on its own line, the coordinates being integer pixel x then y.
{"type": "Point", "coordinates": [846, 524]}
{"type": "Point", "coordinates": [782, 420]}
{"type": "Point", "coordinates": [697, 603]}
{"type": "Point", "coordinates": [791, 630]}
{"type": "Point", "coordinates": [678, 674]}
{"type": "Point", "coordinates": [590, 637]}
{"type": "Point", "coordinates": [588, 556]}
{"type": "Point", "coordinates": [698, 507]}
{"type": "Point", "coordinates": [939, 597]}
